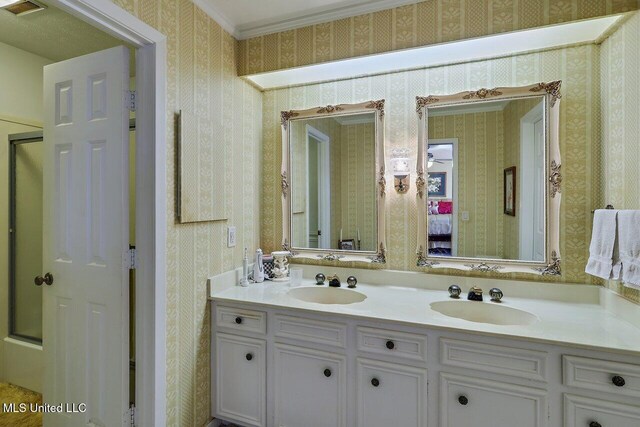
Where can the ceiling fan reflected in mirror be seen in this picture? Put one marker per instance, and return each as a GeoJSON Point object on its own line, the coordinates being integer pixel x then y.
{"type": "Point", "coordinates": [431, 160]}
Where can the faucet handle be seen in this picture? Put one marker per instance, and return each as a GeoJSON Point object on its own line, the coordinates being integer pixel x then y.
{"type": "Point", "coordinates": [352, 282]}
{"type": "Point", "coordinates": [496, 294]}
{"type": "Point", "coordinates": [455, 291]}
{"type": "Point", "coordinates": [320, 278]}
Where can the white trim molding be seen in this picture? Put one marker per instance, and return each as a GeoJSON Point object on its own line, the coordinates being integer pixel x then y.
{"type": "Point", "coordinates": [291, 21]}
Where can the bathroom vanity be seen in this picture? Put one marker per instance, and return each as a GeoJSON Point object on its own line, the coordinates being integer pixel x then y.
{"type": "Point", "coordinates": [382, 355]}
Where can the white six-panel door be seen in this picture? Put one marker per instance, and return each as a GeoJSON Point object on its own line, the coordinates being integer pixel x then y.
{"type": "Point", "coordinates": [85, 331]}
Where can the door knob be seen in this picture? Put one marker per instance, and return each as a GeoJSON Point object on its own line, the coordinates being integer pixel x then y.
{"type": "Point", "coordinates": [47, 279]}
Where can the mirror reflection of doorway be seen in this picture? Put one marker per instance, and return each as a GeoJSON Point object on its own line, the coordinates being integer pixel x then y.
{"type": "Point", "coordinates": [319, 191]}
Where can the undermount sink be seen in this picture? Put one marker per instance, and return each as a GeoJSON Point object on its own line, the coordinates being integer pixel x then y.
{"type": "Point", "coordinates": [327, 295]}
{"type": "Point", "coordinates": [483, 312]}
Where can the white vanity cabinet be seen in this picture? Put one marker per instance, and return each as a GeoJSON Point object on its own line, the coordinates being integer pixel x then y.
{"type": "Point", "coordinates": [279, 367]}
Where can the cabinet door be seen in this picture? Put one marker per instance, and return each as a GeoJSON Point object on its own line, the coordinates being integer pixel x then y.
{"type": "Point", "coordinates": [310, 388]}
{"type": "Point", "coordinates": [240, 380]}
{"type": "Point", "coordinates": [586, 412]}
{"type": "Point", "coordinates": [474, 402]}
{"type": "Point", "coordinates": [391, 395]}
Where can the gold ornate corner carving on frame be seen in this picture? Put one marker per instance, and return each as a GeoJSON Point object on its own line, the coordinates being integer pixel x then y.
{"type": "Point", "coordinates": [482, 94]}
{"type": "Point", "coordinates": [484, 267]}
{"type": "Point", "coordinates": [420, 184]}
{"type": "Point", "coordinates": [287, 247]}
{"type": "Point", "coordinates": [423, 101]}
{"type": "Point", "coordinates": [552, 269]}
{"type": "Point", "coordinates": [330, 257]}
{"type": "Point", "coordinates": [552, 88]}
{"type": "Point", "coordinates": [382, 182]}
{"type": "Point", "coordinates": [422, 259]}
{"type": "Point", "coordinates": [378, 105]}
{"type": "Point", "coordinates": [330, 109]}
{"type": "Point", "coordinates": [285, 116]}
{"type": "Point", "coordinates": [284, 184]}
{"type": "Point", "coordinates": [555, 178]}
{"type": "Point", "coordinates": [380, 257]}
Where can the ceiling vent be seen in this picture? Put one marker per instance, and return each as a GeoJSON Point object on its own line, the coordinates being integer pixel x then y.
{"type": "Point", "coordinates": [21, 7]}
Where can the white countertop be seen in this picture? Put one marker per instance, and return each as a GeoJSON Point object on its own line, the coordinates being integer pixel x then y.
{"type": "Point", "coordinates": [602, 320]}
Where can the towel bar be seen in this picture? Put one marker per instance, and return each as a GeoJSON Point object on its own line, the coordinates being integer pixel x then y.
{"type": "Point", "coordinates": [608, 207]}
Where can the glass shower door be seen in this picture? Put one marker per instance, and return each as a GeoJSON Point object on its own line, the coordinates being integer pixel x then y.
{"type": "Point", "coordinates": [25, 252]}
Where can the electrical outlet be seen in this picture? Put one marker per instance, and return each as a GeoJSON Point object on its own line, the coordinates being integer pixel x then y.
{"type": "Point", "coordinates": [465, 215]}
{"type": "Point", "coordinates": [231, 237]}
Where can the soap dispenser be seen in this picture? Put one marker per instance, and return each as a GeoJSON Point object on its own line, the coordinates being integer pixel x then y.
{"type": "Point", "coordinates": [258, 268]}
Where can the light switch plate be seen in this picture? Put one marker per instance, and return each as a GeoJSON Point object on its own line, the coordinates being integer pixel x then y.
{"type": "Point", "coordinates": [465, 215]}
{"type": "Point", "coordinates": [231, 237]}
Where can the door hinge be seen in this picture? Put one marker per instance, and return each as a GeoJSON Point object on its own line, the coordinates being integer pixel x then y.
{"type": "Point", "coordinates": [131, 415]}
{"type": "Point", "coordinates": [130, 100]}
{"type": "Point", "coordinates": [132, 259]}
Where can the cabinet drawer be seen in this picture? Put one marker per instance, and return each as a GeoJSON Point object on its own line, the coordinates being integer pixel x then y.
{"type": "Point", "coordinates": [586, 412]}
{"type": "Point", "coordinates": [467, 401]}
{"type": "Point", "coordinates": [601, 375]}
{"type": "Point", "coordinates": [529, 364]}
{"type": "Point", "coordinates": [313, 331]}
{"type": "Point", "coordinates": [239, 319]}
{"type": "Point", "coordinates": [393, 343]}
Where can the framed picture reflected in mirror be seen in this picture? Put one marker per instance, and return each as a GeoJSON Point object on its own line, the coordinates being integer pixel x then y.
{"type": "Point", "coordinates": [510, 191]}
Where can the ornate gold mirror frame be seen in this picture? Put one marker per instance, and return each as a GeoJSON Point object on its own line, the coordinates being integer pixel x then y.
{"type": "Point", "coordinates": [376, 107]}
{"type": "Point", "coordinates": [551, 265]}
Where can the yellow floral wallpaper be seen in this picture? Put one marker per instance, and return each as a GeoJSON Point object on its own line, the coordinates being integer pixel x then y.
{"type": "Point", "coordinates": [578, 67]}
{"type": "Point", "coordinates": [620, 90]}
{"type": "Point", "coordinates": [479, 179]}
{"type": "Point", "coordinates": [202, 78]}
{"type": "Point", "coordinates": [426, 22]}
{"type": "Point", "coordinates": [512, 114]}
{"type": "Point", "coordinates": [356, 175]}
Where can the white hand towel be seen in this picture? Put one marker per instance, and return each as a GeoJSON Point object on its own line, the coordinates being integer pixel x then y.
{"type": "Point", "coordinates": [629, 243]}
{"type": "Point", "coordinates": [603, 253]}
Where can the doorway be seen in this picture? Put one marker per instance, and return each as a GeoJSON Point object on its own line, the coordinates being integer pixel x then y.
{"type": "Point", "coordinates": [150, 46]}
{"type": "Point", "coordinates": [319, 191]}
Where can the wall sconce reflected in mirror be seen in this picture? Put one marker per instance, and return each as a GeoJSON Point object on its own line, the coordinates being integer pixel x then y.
{"type": "Point", "coordinates": [400, 165]}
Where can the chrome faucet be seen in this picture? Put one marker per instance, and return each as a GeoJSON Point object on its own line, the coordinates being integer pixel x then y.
{"type": "Point", "coordinates": [334, 281]}
{"type": "Point", "coordinates": [475, 294]}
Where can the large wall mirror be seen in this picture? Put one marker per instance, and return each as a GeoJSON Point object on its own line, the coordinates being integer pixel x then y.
{"type": "Point", "coordinates": [333, 184]}
{"type": "Point", "coordinates": [489, 180]}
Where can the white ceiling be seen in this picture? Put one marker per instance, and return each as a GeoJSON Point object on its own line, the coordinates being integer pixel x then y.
{"type": "Point", "coordinates": [250, 18]}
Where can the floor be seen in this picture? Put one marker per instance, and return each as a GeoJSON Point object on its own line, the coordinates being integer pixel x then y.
{"type": "Point", "coordinates": [13, 394]}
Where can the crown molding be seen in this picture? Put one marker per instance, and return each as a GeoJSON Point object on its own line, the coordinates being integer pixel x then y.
{"type": "Point", "coordinates": [217, 16]}
{"type": "Point", "coordinates": [285, 22]}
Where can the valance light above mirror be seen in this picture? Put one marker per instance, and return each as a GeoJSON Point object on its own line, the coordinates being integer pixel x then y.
{"type": "Point", "coordinates": [488, 180]}
{"type": "Point", "coordinates": [333, 182]}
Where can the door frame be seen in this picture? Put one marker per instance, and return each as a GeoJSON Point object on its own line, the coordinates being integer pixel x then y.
{"type": "Point", "coordinates": [454, 215]}
{"type": "Point", "coordinates": [527, 169]}
{"type": "Point", "coordinates": [151, 196]}
{"type": "Point", "coordinates": [324, 185]}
